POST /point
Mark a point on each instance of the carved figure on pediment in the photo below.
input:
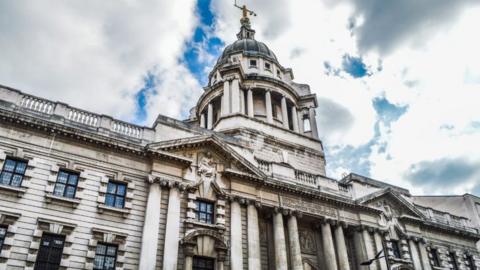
(389, 220)
(307, 241)
(206, 171)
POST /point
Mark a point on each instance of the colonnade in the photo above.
(233, 102)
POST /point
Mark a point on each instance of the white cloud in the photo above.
(93, 54)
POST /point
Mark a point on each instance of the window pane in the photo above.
(59, 188)
(21, 167)
(70, 193)
(109, 200)
(209, 208)
(121, 189)
(3, 232)
(62, 177)
(111, 251)
(98, 263)
(101, 249)
(203, 207)
(119, 202)
(111, 188)
(5, 178)
(16, 180)
(9, 165)
(110, 262)
(72, 179)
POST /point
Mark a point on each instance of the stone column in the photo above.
(295, 252)
(226, 98)
(417, 264)
(280, 245)
(313, 122)
(236, 254)
(369, 251)
(210, 116)
(382, 263)
(172, 230)
(295, 119)
(285, 113)
(188, 262)
(202, 120)
(242, 101)
(235, 96)
(359, 248)
(151, 226)
(254, 262)
(250, 103)
(424, 255)
(341, 248)
(328, 247)
(268, 106)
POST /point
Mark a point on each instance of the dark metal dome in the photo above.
(249, 47)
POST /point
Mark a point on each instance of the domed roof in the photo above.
(249, 47)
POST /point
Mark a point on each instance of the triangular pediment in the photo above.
(396, 203)
(229, 159)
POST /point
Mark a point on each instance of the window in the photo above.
(3, 234)
(202, 263)
(13, 172)
(253, 63)
(470, 262)
(453, 260)
(115, 196)
(66, 184)
(50, 252)
(105, 257)
(278, 74)
(306, 124)
(268, 66)
(396, 249)
(435, 258)
(204, 212)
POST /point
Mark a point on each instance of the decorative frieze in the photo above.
(312, 208)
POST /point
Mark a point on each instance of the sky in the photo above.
(398, 82)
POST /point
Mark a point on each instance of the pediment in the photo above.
(211, 158)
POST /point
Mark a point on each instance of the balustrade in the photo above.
(83, 117)
(306, 178)
(37, 104)
(127, 129)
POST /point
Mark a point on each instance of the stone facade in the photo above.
(241, 184)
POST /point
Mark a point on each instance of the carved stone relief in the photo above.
(307, 241)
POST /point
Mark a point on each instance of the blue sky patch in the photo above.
(354, 66)
(141, 98)
(386, 111)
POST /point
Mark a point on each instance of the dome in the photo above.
(249, 47)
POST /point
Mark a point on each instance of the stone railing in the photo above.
(127, 129)
(67, 115)
(83, 117)
(306, 178)
(265, 166)
(447, 219)
(37, 104)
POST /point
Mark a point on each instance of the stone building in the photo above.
(241, 184)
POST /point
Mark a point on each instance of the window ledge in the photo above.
(102, 207)
(50, 197)
(19, 190)
(205, 225)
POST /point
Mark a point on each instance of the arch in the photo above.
(190, 239)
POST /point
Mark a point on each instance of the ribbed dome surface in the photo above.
(249, 47)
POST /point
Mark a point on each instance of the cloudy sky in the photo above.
(398, 82)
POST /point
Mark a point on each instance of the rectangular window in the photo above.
(253, 63)
(204, 212)
(13, 172)
(435, 258)
(3, 235)
(278, 74)
(105, 257)
(453, 260)
(268, 66)
(306, 124)
(115, 196)
(396, 249)
(66, 185)
(202, 263)
(50, 252)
